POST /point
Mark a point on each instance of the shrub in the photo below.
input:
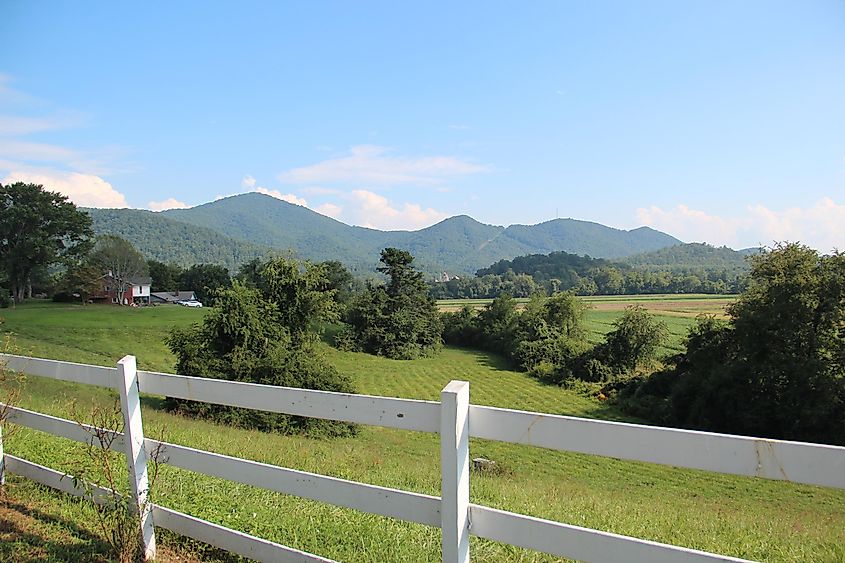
(245, 338)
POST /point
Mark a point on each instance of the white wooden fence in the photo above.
(454, 418)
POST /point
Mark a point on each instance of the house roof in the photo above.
(173, 296)
(141, 281)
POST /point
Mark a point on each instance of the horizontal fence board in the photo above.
(55, 479)
(230, 540)
(405, 414)
(78, 432)
(583, 544)
(813, 464)
(404, 505)
(65, 371)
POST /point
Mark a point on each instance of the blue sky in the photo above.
(715, 121)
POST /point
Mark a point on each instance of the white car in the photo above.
(190, 303)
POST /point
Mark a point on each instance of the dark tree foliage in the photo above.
(256, 338)
(777, 367)
(550, 333)
(341, 281)
(38, 229)
(165, 277)
(204, 280)
(543, 339)
(398, 320)
(634, 340)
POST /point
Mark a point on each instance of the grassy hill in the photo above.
(457, 245)
(751, 518)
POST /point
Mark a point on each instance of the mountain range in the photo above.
(233, 230)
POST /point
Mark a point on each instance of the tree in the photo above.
(204, 280)
(257, 338)
(341, 281)
(398, 320)
(79, 281)
(776, 368)
(634, 340)
(117, 257)
(38, 229)
(164, 277)
(300, 295)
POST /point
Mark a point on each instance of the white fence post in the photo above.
(136, 454)
(454, 465)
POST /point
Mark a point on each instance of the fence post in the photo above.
(136, 454)
(454, 466)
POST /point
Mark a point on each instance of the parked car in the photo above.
(193, 303)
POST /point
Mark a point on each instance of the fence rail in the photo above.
(453, 417)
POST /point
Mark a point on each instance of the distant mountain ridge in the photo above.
(235, 229)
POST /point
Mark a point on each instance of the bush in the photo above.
(245, 339)
(5, 298)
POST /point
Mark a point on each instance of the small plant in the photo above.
(117, 516)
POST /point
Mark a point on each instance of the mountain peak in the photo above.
(458, 244)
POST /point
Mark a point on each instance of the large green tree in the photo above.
(398, 320)
(38, 229)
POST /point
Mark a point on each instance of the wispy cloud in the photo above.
(373, 165)
(248, 182)
(821, 226)
(85, 190)
(13, 125)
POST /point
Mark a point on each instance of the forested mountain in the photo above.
(169, 241)
(693, 255)
(251, 223)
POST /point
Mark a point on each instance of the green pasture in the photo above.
(744, 517)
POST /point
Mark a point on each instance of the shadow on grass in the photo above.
(25, 540)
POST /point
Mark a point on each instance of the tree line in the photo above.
(561, 271)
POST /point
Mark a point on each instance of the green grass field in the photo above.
(751, 518)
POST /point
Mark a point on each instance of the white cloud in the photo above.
(290, 198)
(369, 209)
(329, 210)
(85, 190)
(248, 182)
(821, 226)
(169, 203)
(369, 164)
